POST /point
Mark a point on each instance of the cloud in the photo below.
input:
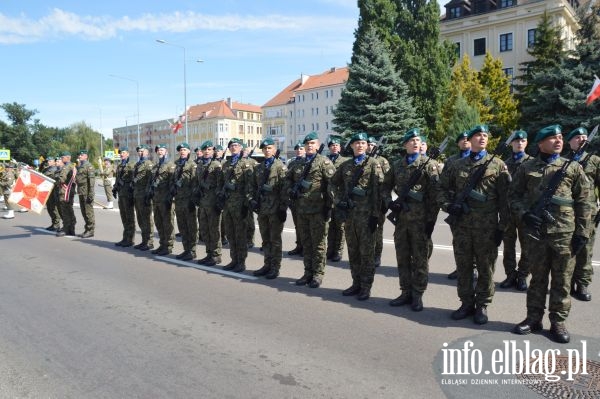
(60, 24)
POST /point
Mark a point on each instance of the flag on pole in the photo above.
(176, 125)
(31, 190)
(595, 92)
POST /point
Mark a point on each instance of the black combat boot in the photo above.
(509, 281)
(463, 312)
(262, 271)
(315, 282)
(404, 299)
(272, 274)
(231, 265)
(296, 251)
(239, 268)
(417, 302)
(559, 333)
(364, 294)
(521, 284)
(305, 279)
(528, 326)
(203, 260)
(582, 293)
(354, 289)
(481, 316)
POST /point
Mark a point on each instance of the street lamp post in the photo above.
(137, 89)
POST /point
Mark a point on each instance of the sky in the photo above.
(57, 57)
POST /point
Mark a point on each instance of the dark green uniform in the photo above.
(142, 175)
(250, 218)
(209, 178)
(162, 204)
(107, 173)
(295, 167)
(66, 180)
(52, 201)
(86, 180)
(335, 235)
(185, 210)
(385, 167)
(124, 190)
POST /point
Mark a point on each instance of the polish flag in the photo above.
(595, 92)
(31, 190)
(178, 125)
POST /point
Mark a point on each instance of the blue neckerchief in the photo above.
(161, 160)
(308, 158)
(577, 157)
(269, 162)
(205, 161)
(476, 156)
(465, 153)
(359, 158)
(234, 159)
(124, 161)
(412, 158)
(333, 157)
(299, 158)
(518, 155)
(142, 159)
(549, 158)
(182, 161)
(66, 163)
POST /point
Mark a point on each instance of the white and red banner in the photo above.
(595, 92)
(31, 190)
(177, 124)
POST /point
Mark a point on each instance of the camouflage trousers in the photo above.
(237, 232)
(582, 275)
(251, 227)
(143, 214)
(209, 227)
(271, 229)
(550, 259)
(87, 211)
(475, 244)
(68, 215)
(126, 210)
(514, 231)
(379, 235)
(295, 219)
(52, 208)
(108, 191)
(412, 257)
(163, 220)
(335, 235)
(361, 249)
(312, 230)
(187, 223)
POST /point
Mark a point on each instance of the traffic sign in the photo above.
(109, 154)
(4, 154)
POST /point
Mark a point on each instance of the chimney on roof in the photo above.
(303, 78)
(229, 103)
(332, 69)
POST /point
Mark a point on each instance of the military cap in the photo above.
(580, 131)
(311, 136)
(206, 144)
(478, 129)
(219, 148)
(160, 146)
(65, 154)
(372, 140)
(82, 152)
(141, 147)
(423, 138)
(414, 132)
(123, 149)
(298, 145)
(548, 131)
(107, 159)
(520, 134)
(266, 142)
(235, 140)
(461, 136)
(358, 137)
(183, 145)
(334, 140)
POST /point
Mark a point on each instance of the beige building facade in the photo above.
(504, 28)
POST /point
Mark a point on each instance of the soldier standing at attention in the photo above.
(295, 166)
(251, 227)
(198, 161)
(208, 179)
(358, 187)
(415, 212)
(7, 180)
(385, 167)
(107, 173)
(515, 278)
(436, 211)
(560, 239)
(477, 232)
(220, 157)
(161, 199)
(123, 191)
(335, 236)
(269, 199)
(313, 199)
(86, 180)
(66, 181)
(582, 275)
(232, 200)
(185, 210)
(52, 202)
(142, 174)
(464, 149)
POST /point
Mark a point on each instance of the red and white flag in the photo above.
(595, 92)
(31, 190)
(178, 125)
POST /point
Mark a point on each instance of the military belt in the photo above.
(416, 195)
(477, 196)
(561, 201)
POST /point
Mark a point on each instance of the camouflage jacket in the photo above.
(160, 179)
(106, 173)
(209, 178)
(513, 164)
(86, 179)
(140, 179)
(65, 177)
(314, 192)
(237, 182)
(7, 179)
(183, 179)
(570, 204)
(358, 186)
(124, 179)
(269, 189)
(592, 171)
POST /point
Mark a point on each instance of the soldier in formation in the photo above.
(51, 171)
(123, 192)
(385, 167)
(185, 211)
(247, 153)
(7, 180)
(295, 166)
(335, 235)
(86, 180)
(67, 184)
(107, 172)
(142, 174)
(159, 195)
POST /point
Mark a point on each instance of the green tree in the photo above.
(375, 99)
(464, 117)
(17, 136)
(380, 15)
(81, 136)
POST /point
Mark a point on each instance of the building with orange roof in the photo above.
(305, 105)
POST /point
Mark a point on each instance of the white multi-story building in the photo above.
(304, 106)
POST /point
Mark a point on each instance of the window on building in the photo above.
(312, 96)
(317, 111)
(531, 37)
(507, 3)
(457, 49)
(455, 12)
(510, 74)
(506, 42)
(479, 46)
(317, 95)
(317, 127)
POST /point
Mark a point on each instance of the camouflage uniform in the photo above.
(124, 190)
(385, 167)
(86, 180)
(52, 201)
(335, 235)
(295, 167)
(66, 181)
(358, 198)
(475, 233)
(107, 173)
(209, 178)
(269, 196)
(313, 208)
(419, 213)
(162, 204)
(250, 218)
(551, 255)
(185, 210)
(142, 174)
(7, 180)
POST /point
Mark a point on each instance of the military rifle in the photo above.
(402, 200)
(296, 189)
(152, 183)
(263, 188)
(475, 177)
(228, 186)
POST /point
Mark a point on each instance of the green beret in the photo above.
(235, 141)
(141, 147)
(414, 132)
(83, 152)
(183, 145)
(299, 145)
(206, 144)
(311, 136)
(580, 131)
(372, 140)
(424, 139)
(461, 136)
(123, 149)
(65, 154)
(334, 140)
(266, 142)
(520, 134)
(160, 146)
(548, 131)
(477, 129)
(219, 148)
(361, 136)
